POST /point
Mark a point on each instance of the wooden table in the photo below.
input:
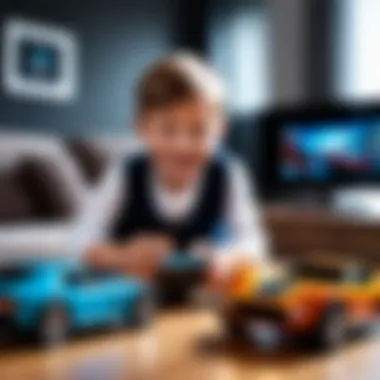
(181, 345)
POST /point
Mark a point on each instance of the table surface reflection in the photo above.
(184, 344)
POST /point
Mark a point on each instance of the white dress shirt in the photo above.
(241, 215)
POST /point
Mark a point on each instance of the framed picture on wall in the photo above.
(40, 61)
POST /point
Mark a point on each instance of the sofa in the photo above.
(44, 181)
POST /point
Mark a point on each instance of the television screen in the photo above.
(323, 151)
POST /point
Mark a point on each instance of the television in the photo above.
(319, 149)
(325, 151)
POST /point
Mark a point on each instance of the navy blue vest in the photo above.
(138, 213)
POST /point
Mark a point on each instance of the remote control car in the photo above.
(52, 297)
(179, 275)
(182, 262)
(314, 302)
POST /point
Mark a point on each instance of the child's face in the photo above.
(182, 137)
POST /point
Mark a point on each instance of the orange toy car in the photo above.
(316, 301)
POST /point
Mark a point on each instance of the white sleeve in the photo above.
(242, 216)
(99, 210)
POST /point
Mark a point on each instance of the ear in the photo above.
(222, 125)
(141, 125)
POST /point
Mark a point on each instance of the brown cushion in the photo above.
(16, 205)
(43, 181)
(91, 159)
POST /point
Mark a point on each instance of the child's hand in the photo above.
(146, 245)
(144, 254)
(139, 256)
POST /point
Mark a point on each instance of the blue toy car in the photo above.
(52, 297)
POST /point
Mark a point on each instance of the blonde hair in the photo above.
(176, 78)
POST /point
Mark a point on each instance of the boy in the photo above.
(180, 187)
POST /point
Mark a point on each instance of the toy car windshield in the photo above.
(274, 287)
(181, 262)
(14, 273)
(84, 275)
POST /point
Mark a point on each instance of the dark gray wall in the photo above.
(288, 31)
(117, 38)
(303, 49)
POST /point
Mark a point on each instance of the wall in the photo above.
(303, 49)
(118, 38)
(288, 30)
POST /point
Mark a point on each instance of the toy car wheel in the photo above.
(143, 312)
(233, 329)
(53, 327)
(332, 329)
